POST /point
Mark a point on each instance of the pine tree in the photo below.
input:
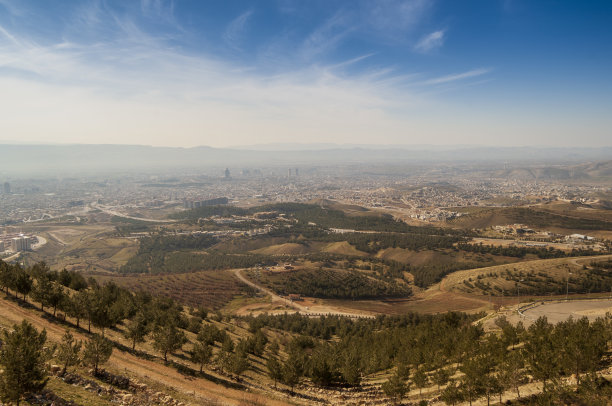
(7, 276)
(582, 345)
(420, 380)
(511, 371)
(292, 372)
(208, 334)
(451, 394)
(441, 377)
(275, 369)
(201, 354)
(42, 290)
(168, 339)
(23, 283)
(22, 357)
(68, 351)
(542, 353)
(136, 330)
(56, 296)
(76, 306)
(97, 351)
(395, 388)
(238, 362)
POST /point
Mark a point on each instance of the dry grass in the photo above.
(343, 248)
(285, 249)
(556, 268)
(211, 289)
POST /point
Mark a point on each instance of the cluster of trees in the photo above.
(338, 351)
(601, 265)
(155, 253)
(546, 219)
(447, 350)
(520, 252)
(143, 316)
(336, 284)
(165, 243)
(209, 211)
(427, 275)
(541, 283)
(374, 242)
(444, 351)
(181, 262)
(544, 351)
(102, 306)
(25, 352)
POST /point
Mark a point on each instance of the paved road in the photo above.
(306, 311)
(12, 257)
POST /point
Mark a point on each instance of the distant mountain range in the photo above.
(85, 159)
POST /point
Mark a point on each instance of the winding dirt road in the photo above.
(306, 311)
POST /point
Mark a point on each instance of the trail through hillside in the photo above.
(317, 310)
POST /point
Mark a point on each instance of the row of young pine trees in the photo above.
(501, 364)
(446, 351)
(25, 352)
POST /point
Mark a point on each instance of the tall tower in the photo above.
(6, 188)
(227, 173)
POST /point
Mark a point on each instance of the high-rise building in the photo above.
(6, 188)
(21, 243)
(227, 173)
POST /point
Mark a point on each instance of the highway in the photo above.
(119, 214)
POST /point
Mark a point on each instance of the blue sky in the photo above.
(222, 73)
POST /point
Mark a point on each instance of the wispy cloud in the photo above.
(327, 36)
(9, 36)
(430, 41)
(120, 90)
(456, 77)
(352, 61)
(235, 30)
(130, 86)
(394, 18)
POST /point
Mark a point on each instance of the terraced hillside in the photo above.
(537, 277)
(208, 289)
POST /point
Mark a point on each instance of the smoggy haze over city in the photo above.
(189, 73)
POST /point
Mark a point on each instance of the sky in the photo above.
(225, 73)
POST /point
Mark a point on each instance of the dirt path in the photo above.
(274, 296)
(316, 310)
(56, 238)
(12, 313)
(588, 259)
